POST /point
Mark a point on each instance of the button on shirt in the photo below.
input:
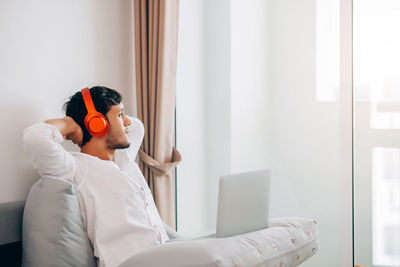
(116, 204)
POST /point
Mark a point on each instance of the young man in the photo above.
(116, 204)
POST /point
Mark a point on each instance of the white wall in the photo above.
(190, 119)
(203, 110)
(277, 121)
(48, 51)
(274, 118)
(304, 133)
(249, 85)
(217, 99)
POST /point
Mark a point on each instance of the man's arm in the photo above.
(68, 128)
(136, 134)
(42, 142)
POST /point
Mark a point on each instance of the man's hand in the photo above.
(69, 129)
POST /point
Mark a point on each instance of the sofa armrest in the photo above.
(172, 234)
(209, 234)
(287, 242)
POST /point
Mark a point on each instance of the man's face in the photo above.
(117, 136)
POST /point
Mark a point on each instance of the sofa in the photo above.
(47, 230)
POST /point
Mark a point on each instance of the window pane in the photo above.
(376, 136)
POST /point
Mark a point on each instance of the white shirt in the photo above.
(116, 204)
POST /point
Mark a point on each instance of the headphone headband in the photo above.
(87, 98)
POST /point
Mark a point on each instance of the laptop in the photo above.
(243, 204)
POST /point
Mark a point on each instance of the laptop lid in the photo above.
(243, 203)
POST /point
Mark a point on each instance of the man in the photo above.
(116, 204)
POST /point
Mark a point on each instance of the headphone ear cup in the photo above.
(96, 124)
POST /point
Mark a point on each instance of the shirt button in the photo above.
(142, 188)
(147, 204)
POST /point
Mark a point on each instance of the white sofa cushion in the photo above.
(53, 233)
(286, 242)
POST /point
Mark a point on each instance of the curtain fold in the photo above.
(156, 40)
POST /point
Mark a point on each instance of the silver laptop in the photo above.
(243, 203)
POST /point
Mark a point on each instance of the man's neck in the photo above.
(98, 149)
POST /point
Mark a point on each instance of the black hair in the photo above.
(103, 98)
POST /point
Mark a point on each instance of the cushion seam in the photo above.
(280, 254)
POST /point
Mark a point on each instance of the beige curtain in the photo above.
(156, 34)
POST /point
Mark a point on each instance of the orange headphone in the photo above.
(95, 122)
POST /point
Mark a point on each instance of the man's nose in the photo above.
(127, 121)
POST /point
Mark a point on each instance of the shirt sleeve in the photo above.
(135, 134)
(42, 143)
